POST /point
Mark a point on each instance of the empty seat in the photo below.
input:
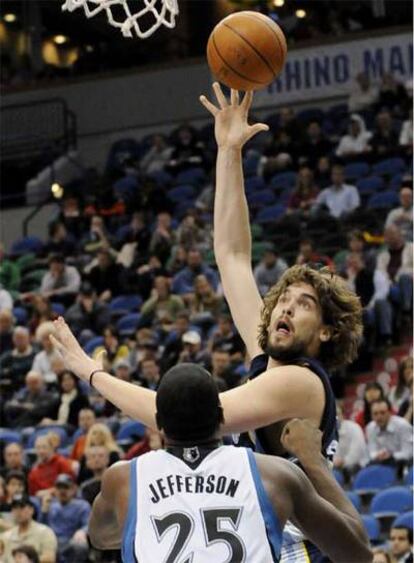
(92, 344)
(355, 499)
(370, 184)
(373, 478)
(383, 200)
(389, 166)
(60, 430)
(372, 527)
(405, 519)
(270, 214)
(356, 170)
(127, 325)
(391, 502)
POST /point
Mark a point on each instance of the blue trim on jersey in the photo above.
(273, 528)
(130, 526)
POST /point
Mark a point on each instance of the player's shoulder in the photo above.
(300, 374)
(117, 472)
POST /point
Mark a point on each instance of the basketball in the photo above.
(246, 51)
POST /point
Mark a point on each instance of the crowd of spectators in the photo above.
(134, 275)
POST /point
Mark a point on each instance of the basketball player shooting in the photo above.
(199, 499)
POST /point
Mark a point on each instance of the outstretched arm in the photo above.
(232, 237)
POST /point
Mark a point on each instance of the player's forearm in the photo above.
(132, 400)
(231, 214)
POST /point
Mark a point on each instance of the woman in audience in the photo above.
(71, 401)
(402, 391)
(305, 192)
(41, 311)
(204, 300)
(373, 392)
(99, 435)
(114, 350)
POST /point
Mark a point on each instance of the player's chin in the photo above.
(279, 339)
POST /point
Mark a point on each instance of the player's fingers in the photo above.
(258, 127)
(234, 97)
(221, 98)
(208, 105)
(100, 357)
(56, 343)
(247, 101)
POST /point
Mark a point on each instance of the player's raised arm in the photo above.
(232, 237)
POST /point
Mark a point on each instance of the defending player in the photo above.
(201, 501)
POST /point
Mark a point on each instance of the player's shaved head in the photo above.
(188, 405)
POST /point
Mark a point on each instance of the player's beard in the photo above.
(285, 354)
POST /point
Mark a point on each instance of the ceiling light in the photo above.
(60, 39)
(300, 14)
(10, 18)
(278, 3)
(57, 190)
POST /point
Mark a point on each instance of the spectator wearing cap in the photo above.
(30, 404)
(352, 452)
(61, 282)
(269, 270)
(355, 142)
(401, 544)
(106, 277)
(28, 532)
(97, 460)
(304, 194)
(25, 554)
(68, 517)
(183, 282)
(48, 466)
(87, 314)
(389, 437)
(6, 331)
(402, 217)
(42, 362)
(86, 419)
(308, 255)
(162, 302)
(339, 198)
(15, 364)
(13, 459)
(192, 349)
(363, 94)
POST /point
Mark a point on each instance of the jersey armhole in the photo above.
(128, 540)
(271, 520)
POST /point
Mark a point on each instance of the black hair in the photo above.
(367, 406)
(382, 400)
(29, 551)
(59, 258)
(72, 375)
(188, 405)
(14, 474)
(408, 530)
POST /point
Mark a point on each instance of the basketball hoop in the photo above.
(163, 12)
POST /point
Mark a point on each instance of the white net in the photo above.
(151, 15)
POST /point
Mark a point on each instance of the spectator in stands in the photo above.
(41, 311)
(68, 517)
(356, 245)
(106, 277)
(396, 261)
(352, 452)
(316, 145)
(308, 255)
(71, 216)
(6, 300)
(372, 287)
(71, 401)
(30, 404)
(157, 156)
(97, 460)
(406, 135)
(382, 556)
(363, 95)
(280, 154)
(13, 459)
(340, 199)
(373, 392)
(42, 362)
(355, 142)
(14, 484)
(16, 363)
(86, 419)
(191, 233)
(304, 194)
(6, 331)
(48, 465)
(140, 279)
(389, 437)
(152, 440)
(269, 269)
(192, 349)
(163, 237)
(401, 544)
(87, 314)
(97, 237)
(392, 94)
(162, 301)
(61, 282)
(183, 282)
(403, 390)
(187, 152)
(323, 172)
(178, 260)
(28, 532)
(290, 123)
(149, 373)
(384, 142)
(99, 435)
(173, 343)
(113, 348)
(136, 232)
(224, 335)
(205, 301)
(25, 554)
(60, 241)
(9, 272)
(402, 217)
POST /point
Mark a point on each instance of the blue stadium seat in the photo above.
(269, 214)
(389, 166)
(396, 181)
(93, 343)
(372, 527)
(339, 476)
(370, 184)
(26, 245)
(356, 170)
(408, 479)
(310, 114)
(126, 303)
(181, 193)
(250, 164)
(254, 184)
(265, 197)
(405, 519)
(355, 499)
(191, 176)
(130, 431)
(383, 200)
(127, 325)
(8, 436)
(283, 180)
(120, 151)
(58, 308)
(373, 478)
(21, 315)
(391, 502)
(60, 430)
(161, 178)
(126, 188)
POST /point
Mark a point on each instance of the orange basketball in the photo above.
(246, 51)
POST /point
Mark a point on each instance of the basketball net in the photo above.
(163, 11)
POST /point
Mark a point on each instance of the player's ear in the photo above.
(325, 334)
